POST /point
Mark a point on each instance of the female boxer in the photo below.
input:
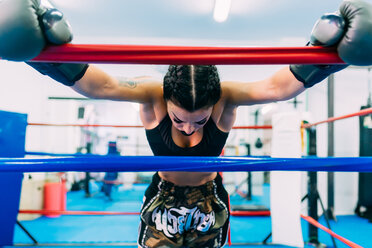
(190, 113)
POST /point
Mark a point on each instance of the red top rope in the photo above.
(142, 54)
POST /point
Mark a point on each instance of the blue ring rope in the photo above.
(160, 163)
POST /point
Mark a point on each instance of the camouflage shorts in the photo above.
(175, 217)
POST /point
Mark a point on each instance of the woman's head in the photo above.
(190, 92)
(192, 87)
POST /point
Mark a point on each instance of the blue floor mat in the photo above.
(124, 229)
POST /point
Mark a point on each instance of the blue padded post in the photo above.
(12, 144)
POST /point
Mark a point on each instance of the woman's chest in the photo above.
(184, 141)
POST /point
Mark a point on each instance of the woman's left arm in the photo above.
(280, 86)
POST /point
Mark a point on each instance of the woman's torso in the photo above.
(160, 132)
(210, 142)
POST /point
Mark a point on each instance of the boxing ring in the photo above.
(123, 54)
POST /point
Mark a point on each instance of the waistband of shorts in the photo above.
(166, 185)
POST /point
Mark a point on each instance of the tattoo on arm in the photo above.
(128, 83)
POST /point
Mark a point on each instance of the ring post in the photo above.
(285, 186)
(12, 144)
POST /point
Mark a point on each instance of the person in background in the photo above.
(110, 178)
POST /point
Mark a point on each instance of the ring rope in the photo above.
(163, 163)
(233, 213)
(366, 111)
(363, 112)
(127, 126)
(333, 234)
(145, 54)
(62, 154)
(84, 213)
(83, 125)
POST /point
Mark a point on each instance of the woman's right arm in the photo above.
(99, 85)
(26, 19)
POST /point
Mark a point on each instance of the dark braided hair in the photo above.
(192, 87)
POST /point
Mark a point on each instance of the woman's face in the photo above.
(188, 122)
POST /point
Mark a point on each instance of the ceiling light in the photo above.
(221, 10)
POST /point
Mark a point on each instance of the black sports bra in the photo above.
(162, 144)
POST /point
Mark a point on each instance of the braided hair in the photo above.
(192, 87)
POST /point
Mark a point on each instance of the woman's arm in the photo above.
(281, 86)
(97, 84)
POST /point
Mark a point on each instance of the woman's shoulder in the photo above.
(223, 113)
